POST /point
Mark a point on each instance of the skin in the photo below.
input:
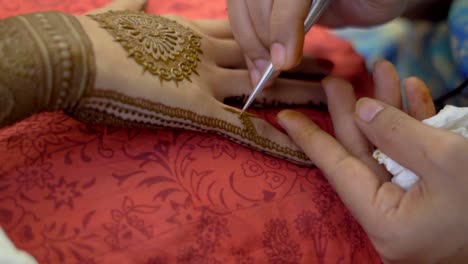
(222, 74)
(222, 71)
(403, 226)
(274, 29)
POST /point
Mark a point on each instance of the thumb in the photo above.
(287, 32)
(408, 141)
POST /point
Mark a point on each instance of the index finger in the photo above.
(287, 30)
(353, 181)
(244, 31)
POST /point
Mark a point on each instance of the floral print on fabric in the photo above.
(76, 193)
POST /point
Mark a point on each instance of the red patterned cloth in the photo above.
(74, 193)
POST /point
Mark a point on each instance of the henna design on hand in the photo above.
(111, 108)
(163, 47)
(47, 64)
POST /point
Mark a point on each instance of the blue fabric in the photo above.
(435, 52)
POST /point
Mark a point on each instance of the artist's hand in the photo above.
(427, 223)
(188, 89)
(276, 27)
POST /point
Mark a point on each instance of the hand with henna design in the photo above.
(273, 30)
(133, 69)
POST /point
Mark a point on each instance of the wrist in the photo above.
(47, 64)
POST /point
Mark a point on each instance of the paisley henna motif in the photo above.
(162, 46)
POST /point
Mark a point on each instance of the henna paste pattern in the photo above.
(112, 108)
(162, 46)
(63, 69)
(47, 63)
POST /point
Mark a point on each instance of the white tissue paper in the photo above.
(451, 118)
(10, 255)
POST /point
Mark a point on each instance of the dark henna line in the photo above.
(264, 104)
(97, 105)
(161, 46)
(47, 64)
(238, 112)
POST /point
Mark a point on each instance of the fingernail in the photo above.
(278, 55)
(293, 121)
(281, 118)
(261, 65)
(367, 109)
(254, 76)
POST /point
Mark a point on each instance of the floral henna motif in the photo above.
(162, 46)
(170, 51)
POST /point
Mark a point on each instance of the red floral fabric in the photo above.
(76, 193)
